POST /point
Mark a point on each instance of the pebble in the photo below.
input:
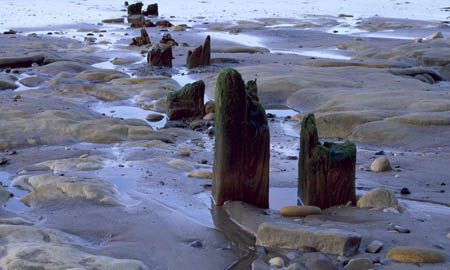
(292, 255)
(184, 153)
(401, 229)
(299, 211)
(448, 235)
(196, 244)
(409, 254)
(293, 266)
(277, 262)
(359, 264)
(343, 259)
(381, 164)
(17, 97)
(405, 191)
(374, 247)
(391, 210)
(201, 175)
(153, 117)
(386, 261)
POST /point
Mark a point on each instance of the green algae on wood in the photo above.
(326, 173)
(187, 102)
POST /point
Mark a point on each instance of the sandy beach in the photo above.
(95, 175)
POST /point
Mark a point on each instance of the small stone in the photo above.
(448, 235)
(378, 198)
(66, 148)
(183, 153)
(379, 153)
(359, 264)
(391, 210)
(292, 255)
(374, 247)
(380, 164)
(409, 254)
(386, 261)
(299, 211)
(201, 175)
(17, 97)
(436, 35)
(294, 266)
(401, 229)
(196, 244)
(292, 157)
(277, 262)
(84, 156)
(343, 259)
(4, 161)
(405, 191)
(396, 176)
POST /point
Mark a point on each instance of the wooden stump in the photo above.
(187, 102)
(135, 9)
(160, 55)
(242, 142)
(201, 56)
(144, 39)
(326, 172)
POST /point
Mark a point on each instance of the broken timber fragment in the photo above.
(160, 55)
(201, 56)
(187, 102)
(144, 39)
(135, 9)
(326, 173)
(242, 141)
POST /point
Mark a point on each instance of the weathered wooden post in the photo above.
(326, 173)
(242, 144)
(187, 102)
(201, 56)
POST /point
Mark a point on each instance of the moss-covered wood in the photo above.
(326, 172)
(201, 56)
(242, 144)
(187, 102)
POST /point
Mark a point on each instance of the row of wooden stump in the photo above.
(326, 172)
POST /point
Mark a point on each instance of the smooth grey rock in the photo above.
(4, 195)
(292, 255)
(317, 261)
(277, 262)
(22, 61)
(386, 261)
(293, 266)
(32, 81)
(381, 164)
(7, 84)
(359, 264)
(401, 229)
(374, 247)
(435, 36)
(259, 264)
(294, 236)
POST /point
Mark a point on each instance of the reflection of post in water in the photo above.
(242, 143)
(240, 240)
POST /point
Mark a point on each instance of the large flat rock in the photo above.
(293, 236)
